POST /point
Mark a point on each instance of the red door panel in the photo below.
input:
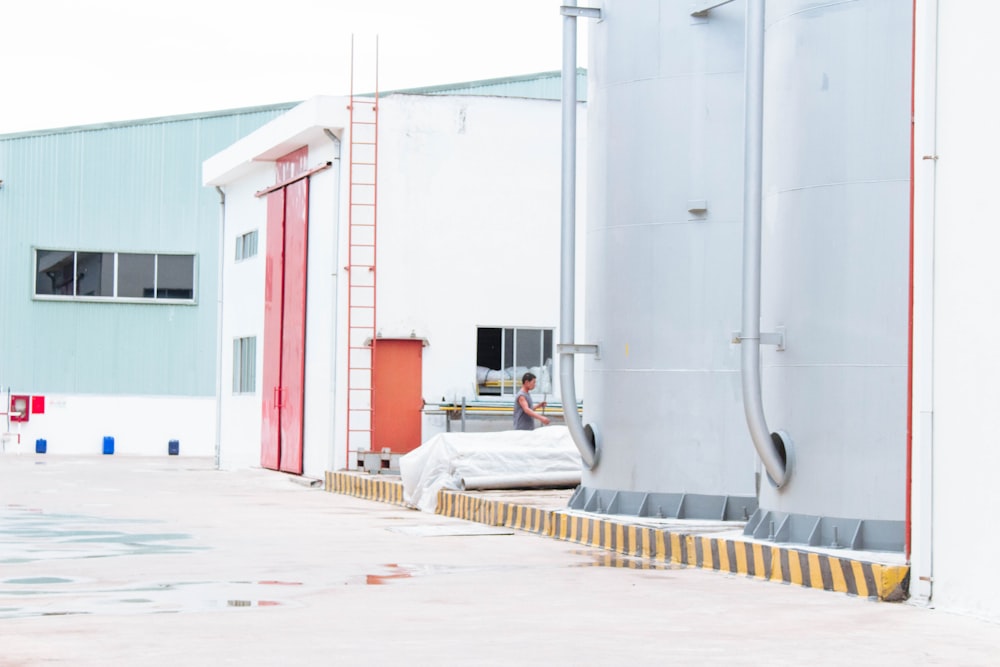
(283, 371)
(396, 397)
(273, 299)
(293, 333)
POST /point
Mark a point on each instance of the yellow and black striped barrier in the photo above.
(762, 561)
(367, 487)
(753, 559)
(494, 512)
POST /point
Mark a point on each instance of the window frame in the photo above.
(244, 365)
(114, 297)
(246, 246)
(509, 387)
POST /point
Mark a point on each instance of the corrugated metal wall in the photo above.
(132, 187)
(122, 187)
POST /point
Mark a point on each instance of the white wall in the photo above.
(469, 219)
(243, 315)
(140, 425)
(957, 365)
(469, 234)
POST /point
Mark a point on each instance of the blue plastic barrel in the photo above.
(109, 444)
(41, 444)
(174, 447)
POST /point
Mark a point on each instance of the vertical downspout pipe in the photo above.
(584, 438)
(774, 449)
(338, 147)
(218, 327)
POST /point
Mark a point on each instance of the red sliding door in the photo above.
(285, 318)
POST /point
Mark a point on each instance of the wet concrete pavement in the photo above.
(166, 561)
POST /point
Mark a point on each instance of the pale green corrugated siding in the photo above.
(117, 187)
(542, 86)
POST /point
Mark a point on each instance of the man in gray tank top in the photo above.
(524, 411)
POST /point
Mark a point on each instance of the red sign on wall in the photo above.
(38, 405)
(18, 408)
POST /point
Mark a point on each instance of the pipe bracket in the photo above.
(581, 12)
(575, 348)
(701, 9)
(776, 338)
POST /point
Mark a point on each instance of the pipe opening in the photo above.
(783, 451)
(779, 447)
(591, 434)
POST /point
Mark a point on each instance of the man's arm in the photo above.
(529, 411)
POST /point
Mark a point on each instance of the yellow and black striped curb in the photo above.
(495, 512)
(763, 561)
(369, 488)
(876, 581)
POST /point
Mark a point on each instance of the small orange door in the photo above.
(396, 397)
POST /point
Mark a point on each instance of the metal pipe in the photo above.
(539, 480)
(218, 327)
(338, 146)
(919, 548)
(585, 439)
(774, 449)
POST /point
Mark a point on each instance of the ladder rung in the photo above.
(369, 164)
(363, 122)
(363, 143)
(361, 183)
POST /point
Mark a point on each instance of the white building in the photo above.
(466, 258)
(956, 365)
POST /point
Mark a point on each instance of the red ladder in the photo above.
(361, 301)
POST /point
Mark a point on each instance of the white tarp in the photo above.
(505, 459)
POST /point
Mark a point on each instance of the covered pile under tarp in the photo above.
(543, 458)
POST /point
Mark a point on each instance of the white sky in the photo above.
(73, 62)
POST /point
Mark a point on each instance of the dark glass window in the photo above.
(503, 355)
(70, 274)
(175, 277)
(54, 272)
(136, 275)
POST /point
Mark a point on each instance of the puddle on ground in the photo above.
(395, 572)
(449, 530)
(38, 580)
(29, 535)
(159, 598)
(611, 559)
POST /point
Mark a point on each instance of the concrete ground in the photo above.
(166, 561)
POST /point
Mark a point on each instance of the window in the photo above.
(120, 276)
(505, 354)
(246, 245)
(245, 365)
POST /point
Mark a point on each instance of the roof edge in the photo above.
(462, 85)
(93, 127)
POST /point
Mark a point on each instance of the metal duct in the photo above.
(584, 437)
(774, 449)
